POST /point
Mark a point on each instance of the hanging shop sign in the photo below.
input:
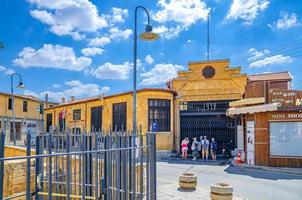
(285, 97)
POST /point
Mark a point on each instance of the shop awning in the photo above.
(253, 109)
(247, 101)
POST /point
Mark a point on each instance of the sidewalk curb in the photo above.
(293, 171)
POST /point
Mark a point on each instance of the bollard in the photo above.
(188, 181)
(221, 191)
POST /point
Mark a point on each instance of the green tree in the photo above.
(1, 45)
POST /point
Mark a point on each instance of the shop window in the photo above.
(119, 116)
(10, 103)
(77, 114)
(285, 138)
(25, 106)
(159, 114)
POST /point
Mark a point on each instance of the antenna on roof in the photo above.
(208, 37)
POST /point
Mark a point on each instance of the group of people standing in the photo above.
(200, 147)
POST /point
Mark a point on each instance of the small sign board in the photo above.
(285, 97)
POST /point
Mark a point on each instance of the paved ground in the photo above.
(251, 184)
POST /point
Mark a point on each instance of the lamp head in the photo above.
(148, 35)
(21, 85)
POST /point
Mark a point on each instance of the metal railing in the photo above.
(94, 165)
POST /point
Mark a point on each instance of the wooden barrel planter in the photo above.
(188, 181)
(221, 191)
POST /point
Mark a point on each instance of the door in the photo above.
(96, 118)
(48, 121)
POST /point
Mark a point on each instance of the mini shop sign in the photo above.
(287, 116)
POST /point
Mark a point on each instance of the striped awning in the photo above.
(253, 109)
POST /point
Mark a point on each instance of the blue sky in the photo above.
(84, 48)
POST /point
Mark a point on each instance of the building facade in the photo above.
(28, 116)
(193, 105)
(203, 96)
(271, 121)
(114, 113)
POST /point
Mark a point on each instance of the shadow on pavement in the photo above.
(218, 162)
(261, 174)
(185, 190)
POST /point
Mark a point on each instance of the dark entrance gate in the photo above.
(207, 119)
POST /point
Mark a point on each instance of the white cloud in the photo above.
(75, 88)
(111, 71)
(52, 56)
(168, 32)
(92, 51)
(118, 15)
(246, 10)
(56, 85)
(182, 12)
(66, 17)
(149, 59)
(117, 34)
(286, 21)
(176, 16)
(160, 74)
(99, 41)
(6, 71)
(271, 60)
(257, 54)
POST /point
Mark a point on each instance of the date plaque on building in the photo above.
(208, 72)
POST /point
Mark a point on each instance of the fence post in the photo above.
(2, 143)
(38, 175)
(68, 168)
(28, 165)
(50, 167)
(153, 166)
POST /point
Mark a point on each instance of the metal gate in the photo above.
(95, 165)
(207, 119)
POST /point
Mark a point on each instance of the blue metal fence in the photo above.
(96, 165)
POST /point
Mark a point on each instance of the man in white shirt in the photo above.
(205, 148)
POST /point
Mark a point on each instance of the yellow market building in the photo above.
(194, 104)
(28, 116)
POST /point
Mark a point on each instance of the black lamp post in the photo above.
(148, 35)
(20, 85)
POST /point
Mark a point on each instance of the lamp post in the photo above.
(148, 35)
(20, 85)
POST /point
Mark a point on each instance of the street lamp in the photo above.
(21, 86)
(148, 35)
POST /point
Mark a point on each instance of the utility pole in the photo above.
(208, 37)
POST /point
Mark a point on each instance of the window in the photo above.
(18, 131)
(77, 114)
(159, 114)
(25, 109)
(285, 138)
(10, 103)
(119, 116)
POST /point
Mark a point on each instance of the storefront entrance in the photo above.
(207, 119)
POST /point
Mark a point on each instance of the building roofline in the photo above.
(23, 97)
(208, 61)
(264, 74)
(89, 99)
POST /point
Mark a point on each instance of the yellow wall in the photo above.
(32, 112)
(227, 84)
(106, 103)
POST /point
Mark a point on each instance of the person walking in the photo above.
(205, 148)
(194, 148)
(213, 148)
(184, 148)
